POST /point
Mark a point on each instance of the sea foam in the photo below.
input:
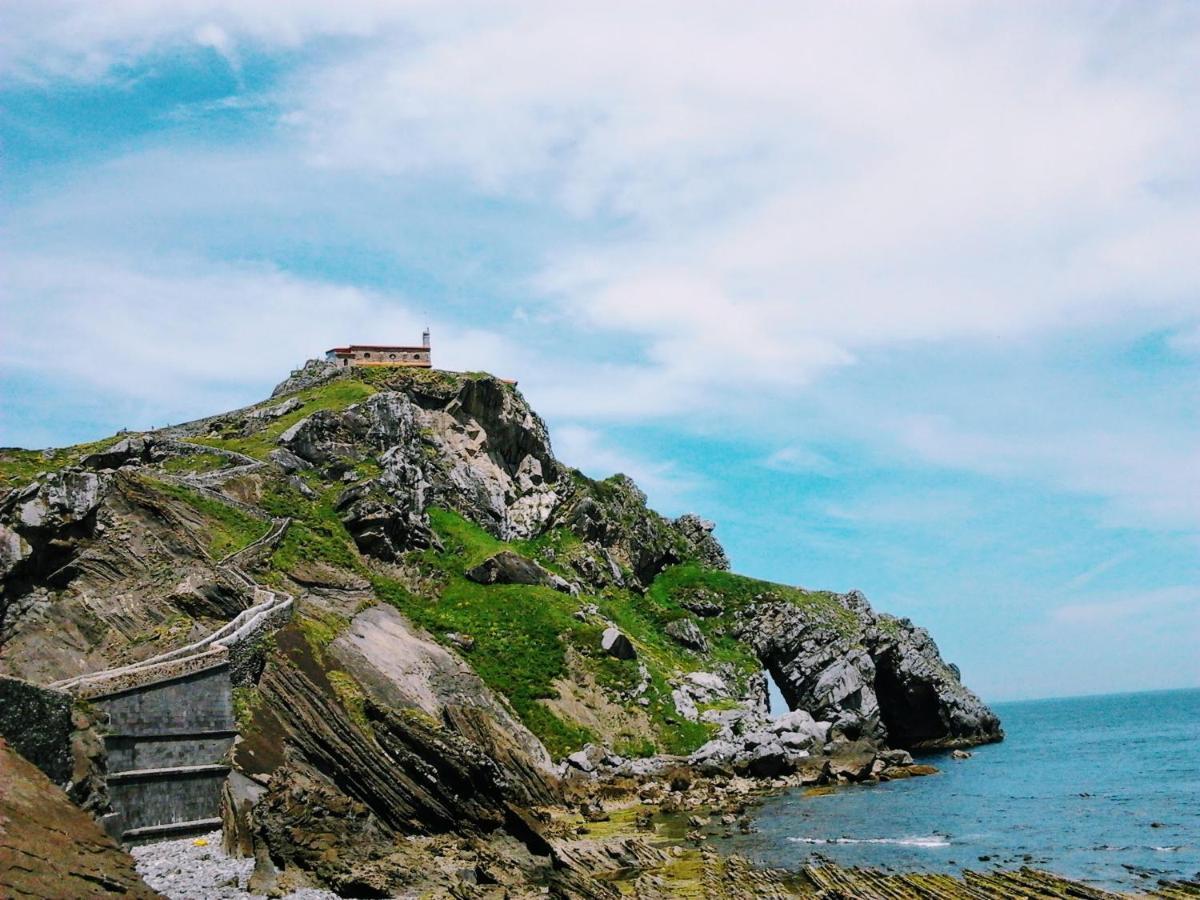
(931, 842)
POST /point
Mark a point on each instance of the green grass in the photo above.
(194, 464)
(227, 529)
(518, 630)
(316, 533)
(245, 701)
(338, 394)
(321, 629)
(522, 634)
(18, 467)
(738, 591)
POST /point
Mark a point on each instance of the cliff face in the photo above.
(51, 848)
(468, 611)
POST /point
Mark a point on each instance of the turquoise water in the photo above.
(1104, 789)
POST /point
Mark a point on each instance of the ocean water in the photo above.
(1102, 789)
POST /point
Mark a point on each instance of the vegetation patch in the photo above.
(351, 696)
(337, 394)
(194, 464)
(228, 529)
(18, 467)
(245, 701)
(316, 533)
(321, 628)
(737, 591)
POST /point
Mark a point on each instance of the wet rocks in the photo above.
(773, 750)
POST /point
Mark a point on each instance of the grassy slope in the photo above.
(521, 634)
(19, 467)
(226, 528)
(336, 394)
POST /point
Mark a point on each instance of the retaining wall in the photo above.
(167, 748)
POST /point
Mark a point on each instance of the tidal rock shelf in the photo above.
(832, 881)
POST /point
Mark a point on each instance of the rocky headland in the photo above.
(472, 671)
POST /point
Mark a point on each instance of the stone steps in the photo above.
(172, 717)
(174, 830)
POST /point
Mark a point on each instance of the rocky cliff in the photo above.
(476, 624)
(51, 848)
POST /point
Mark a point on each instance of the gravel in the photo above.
(198, 869)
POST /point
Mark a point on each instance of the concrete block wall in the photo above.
(167, 747)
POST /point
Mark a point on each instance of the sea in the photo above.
(1103, 789)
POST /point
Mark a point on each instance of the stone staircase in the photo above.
(171, 717)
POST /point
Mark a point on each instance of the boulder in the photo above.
(588, 759)
(707, 685)
(702, 604)
(135, 449)
(60, 500)
(684, 704)
(687, 633)
(852, 761)
(799, 729)
(277, 411)
(616, 644)
(766, 761)
(287, 460)
(507, 567)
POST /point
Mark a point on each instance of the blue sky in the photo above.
(907, 302)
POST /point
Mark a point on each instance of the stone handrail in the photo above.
(273, 536)
(241, 458)
(213, 493)
(209, 651)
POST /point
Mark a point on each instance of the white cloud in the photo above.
(780, 195)
(590, 452)
(181, 327)
(799, 459)
(1114, 614)
(1147, 475)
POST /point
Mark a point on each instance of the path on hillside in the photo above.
(171, 717)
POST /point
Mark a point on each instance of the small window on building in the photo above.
(367, 355)
(391, 356)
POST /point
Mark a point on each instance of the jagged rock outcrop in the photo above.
(382, 733)
(922, 701)
(50, 848)
(870, 675)
(312, 373)
(698, 533)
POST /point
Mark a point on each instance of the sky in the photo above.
(904, 296)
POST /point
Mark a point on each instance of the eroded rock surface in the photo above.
(870, 675)
(50, 848)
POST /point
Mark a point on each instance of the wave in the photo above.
(930, 842)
